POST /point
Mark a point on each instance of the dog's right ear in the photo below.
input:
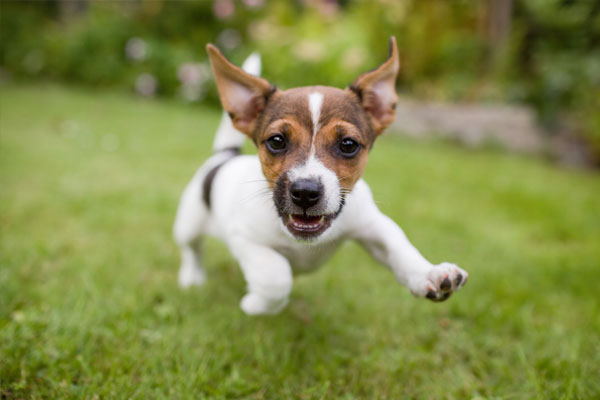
(377, 90)
(243, 96)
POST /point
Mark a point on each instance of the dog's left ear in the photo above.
(377, 90)
(243, 96)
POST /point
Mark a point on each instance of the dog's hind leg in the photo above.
(191, 272)
(188, 231)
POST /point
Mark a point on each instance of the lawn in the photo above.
(90, 308)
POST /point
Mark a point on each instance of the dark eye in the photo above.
(349, 147)
(276, 144)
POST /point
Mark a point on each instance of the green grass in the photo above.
(90, 308)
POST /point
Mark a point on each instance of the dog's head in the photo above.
(313, 142)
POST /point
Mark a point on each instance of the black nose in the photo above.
(305, 193)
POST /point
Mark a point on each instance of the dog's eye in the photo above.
(349, 147)
(276, 144)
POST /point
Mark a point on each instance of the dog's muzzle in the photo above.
(302, 206)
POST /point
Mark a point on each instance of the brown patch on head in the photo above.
(348, 169)
(287, 114)
(290, 103)
(327, 143)
(342, 105)
(340, 116)
(298, 146)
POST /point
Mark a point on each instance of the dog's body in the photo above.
(286, 210)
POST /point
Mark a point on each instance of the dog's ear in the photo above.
(242, 95)
(377, 90)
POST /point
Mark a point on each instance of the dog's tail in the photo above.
(227, 137)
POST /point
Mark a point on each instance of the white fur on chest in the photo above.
(243, 205)
(306, 257)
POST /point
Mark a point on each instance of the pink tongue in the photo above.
(309, 219)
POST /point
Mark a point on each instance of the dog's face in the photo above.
(313, 142)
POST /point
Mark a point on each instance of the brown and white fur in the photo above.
(286, 210)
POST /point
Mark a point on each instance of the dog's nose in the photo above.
(305, 193)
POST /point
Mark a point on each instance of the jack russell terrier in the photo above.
(313, 143)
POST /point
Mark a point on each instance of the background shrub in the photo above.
(546, 54)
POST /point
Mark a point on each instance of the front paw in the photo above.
(441, 281)
(255, 304)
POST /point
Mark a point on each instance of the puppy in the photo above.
(286, 210)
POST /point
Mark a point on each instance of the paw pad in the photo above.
(443, 280)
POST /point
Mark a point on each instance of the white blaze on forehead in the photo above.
(315, 101)
(313, 168)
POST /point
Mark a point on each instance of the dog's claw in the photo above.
(458, 280)
(446, 284)
(438, 298)
(441, 281)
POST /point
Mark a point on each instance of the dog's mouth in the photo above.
(307, 226)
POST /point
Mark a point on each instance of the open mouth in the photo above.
(307, 226)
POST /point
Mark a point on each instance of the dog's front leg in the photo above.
(389, 245)
(268, 275)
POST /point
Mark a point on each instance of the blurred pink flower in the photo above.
(254, 3)
(136, 49)
(192, 92)
(193, 73)
(223, 9)
(327, 8)
(229, 39)
(146, 85)
(193, 76)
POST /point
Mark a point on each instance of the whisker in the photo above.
(260, 180)
(255, 197)
(263, 192)
(351, 175)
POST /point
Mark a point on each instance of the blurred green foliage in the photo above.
(549, 57)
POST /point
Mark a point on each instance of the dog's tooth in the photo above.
(322, 219)
(290, 218)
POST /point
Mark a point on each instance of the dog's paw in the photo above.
(441, 281)
(255, 304)
(190, 275)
